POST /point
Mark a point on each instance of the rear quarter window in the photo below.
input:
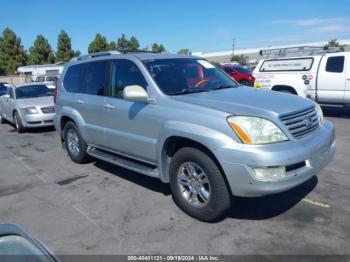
(72, 78)
(335, 64)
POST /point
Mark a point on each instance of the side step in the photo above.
(128, 163)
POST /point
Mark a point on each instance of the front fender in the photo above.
(210, 138)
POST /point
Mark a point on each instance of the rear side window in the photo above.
(94, 78)
(125, 73)
(72, 78)
(335, 64)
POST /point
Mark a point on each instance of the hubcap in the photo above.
(193, 184)
(73, 142)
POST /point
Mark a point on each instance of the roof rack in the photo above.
(108, 53)
(94, 55)
(299, 51)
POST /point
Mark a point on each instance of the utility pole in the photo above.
(233, 46)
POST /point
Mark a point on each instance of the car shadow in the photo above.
(151, 183)
(34, 130)
(257, 208)
(336, 111)
(260, 208)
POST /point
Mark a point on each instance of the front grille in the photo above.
(48, 110)
(302, 123)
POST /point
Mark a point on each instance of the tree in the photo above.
(77, 53)
(133, 44)
(64, 48)
(122, 43)
(99, 44)
(112, 46)
(241, 59)
(333, 43)
(41, 52)
(12, 53)
(158, 48)
(184, 51)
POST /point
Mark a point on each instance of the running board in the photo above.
(122, 161)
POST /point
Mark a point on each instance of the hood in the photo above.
(247, 101)
(44, 101)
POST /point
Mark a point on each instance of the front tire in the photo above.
(18, 122)
(2, 119)
(75, 144)
(198, 186)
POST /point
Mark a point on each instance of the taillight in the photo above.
(55, 92)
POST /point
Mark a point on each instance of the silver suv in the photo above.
(183, 120)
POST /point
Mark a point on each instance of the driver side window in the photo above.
(125, 73)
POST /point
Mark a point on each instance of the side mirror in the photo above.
(135, 93)
(6, 97)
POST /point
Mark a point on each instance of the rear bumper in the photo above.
(316, 151)
(38, 120)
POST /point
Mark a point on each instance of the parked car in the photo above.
(48, 80)
(210, 138)
(323, 77)
(27, 106)
(3, 88)
(241, 74)
(17, 245)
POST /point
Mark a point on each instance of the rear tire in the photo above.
(18, 122)
(207, 201)
(245, 83)
(75, 144)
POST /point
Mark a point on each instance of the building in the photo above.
(35, 70)
(253, 53)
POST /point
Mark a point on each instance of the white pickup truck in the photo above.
(324, 77)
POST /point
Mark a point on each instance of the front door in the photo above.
(132, 128)
(332, 79)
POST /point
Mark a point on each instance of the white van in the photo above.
(323, 77)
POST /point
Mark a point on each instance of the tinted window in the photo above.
(125, 73)
(179, 76)
(3, 88)
(228, 70)
(94, 78)
(71, 80)
(32, 91)
(335, 64)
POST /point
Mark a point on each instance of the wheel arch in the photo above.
(285, 87)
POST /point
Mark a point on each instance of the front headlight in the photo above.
(256, 130)
(319, 113)
(30, 111)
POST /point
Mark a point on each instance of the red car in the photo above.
(240, 74)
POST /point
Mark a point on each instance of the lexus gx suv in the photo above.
(181, 119)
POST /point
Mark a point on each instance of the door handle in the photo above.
(348, 79)
(79, 102)
(109, 107)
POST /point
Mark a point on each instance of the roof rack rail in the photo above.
(299, 51)
(93, 55)
(137, 51)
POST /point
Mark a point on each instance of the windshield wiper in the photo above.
(187, 91)
(223, 87)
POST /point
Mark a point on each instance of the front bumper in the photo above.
(316, 151)
(38, 120)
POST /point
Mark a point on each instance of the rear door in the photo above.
(332, 78)
(90, 102)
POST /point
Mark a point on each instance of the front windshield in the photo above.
(187, 75)
(33, 91)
